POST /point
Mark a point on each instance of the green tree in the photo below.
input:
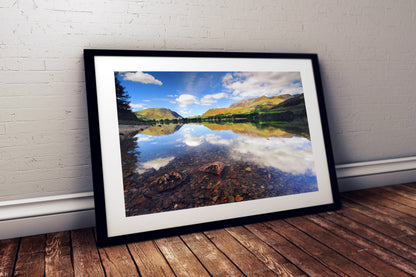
(123, 101)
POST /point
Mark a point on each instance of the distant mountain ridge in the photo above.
(261, 100)
(280, 107)
(157, 114)
(250, 105)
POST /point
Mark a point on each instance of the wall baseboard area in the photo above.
(41, 215)
(25, 217)
(363, 175)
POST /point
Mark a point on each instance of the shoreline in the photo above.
(125, 129)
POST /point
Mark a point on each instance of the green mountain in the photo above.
(157, 114)
(295, 105)
(262, 100)
(251, 105)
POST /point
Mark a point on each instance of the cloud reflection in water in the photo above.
(293, 155)
(156, 164)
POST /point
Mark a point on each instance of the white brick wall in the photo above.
(366, 48)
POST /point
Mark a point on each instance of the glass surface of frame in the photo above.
(186, 141)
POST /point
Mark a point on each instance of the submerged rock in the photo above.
(215, 168)
(167, 181)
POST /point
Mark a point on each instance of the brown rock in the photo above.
(167, 181)
(215, 168)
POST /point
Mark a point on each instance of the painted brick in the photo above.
(366, 49)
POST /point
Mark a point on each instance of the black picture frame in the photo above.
(113, 223)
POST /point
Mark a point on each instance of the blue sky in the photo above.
(193, 93)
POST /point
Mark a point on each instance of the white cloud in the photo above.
(156, 164)
(141, 137)
(136, 106)
(195, 82)
(255, 84)
(141, 78)
(293, 155)
(183, 111)
(192, 141)
(217, 140)
(228, 77)
(213, 98)
(186, 99)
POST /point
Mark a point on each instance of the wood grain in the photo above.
(31, 257)
(8, 251)
(338, 263)
(149, 259)
(383, 201)
(366, 245)
(117, 261)
(85, 254)
(58, 255)
(402, 190)
(270, 257)
(407, 228)
(394, 196)
(373, 234)
(246, 261)
(295, 255)
(345, 248)
(213, 260)
(392, 245)
(181, 259)
(380, 226)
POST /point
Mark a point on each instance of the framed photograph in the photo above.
(189, 141)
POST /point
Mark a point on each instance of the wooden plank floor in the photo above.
(372, 235)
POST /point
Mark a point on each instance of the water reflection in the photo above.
(169, 167)
(192, 140)
(154, 164)
(293, 155)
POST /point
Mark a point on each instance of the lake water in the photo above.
(169, 167)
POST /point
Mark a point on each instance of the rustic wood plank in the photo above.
(392, 245)
(117, 261)
(304, 261)
(400, 224)
(407, 187)
(380, 200)
(324, 254)
(369, 202)
(345, 248)
(8, 253)
(86, 258)
(375, 232)
(365, 245)
(394, 196)
(149, 260)
(31, 257)
(58, 255)
(270, 257)
(181, 259)
(213, 260)
(238, 254)
(402, 190)
(413, 185)
(382, 227)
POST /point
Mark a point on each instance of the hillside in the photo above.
(250, 105)
(296, 105)
(161, 130)
(157, 114)
(262, 100)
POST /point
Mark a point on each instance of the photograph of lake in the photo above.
(196, 139)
